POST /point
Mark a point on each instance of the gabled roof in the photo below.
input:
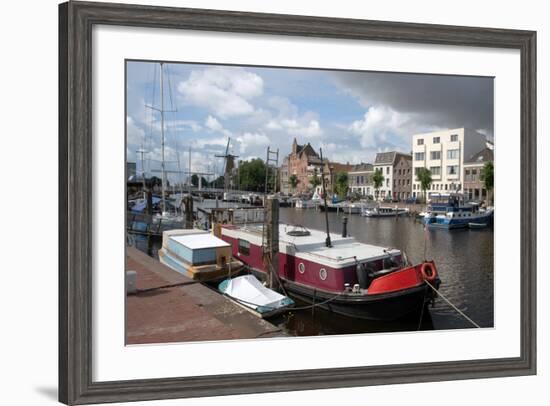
(389, 158)
(384, 158)
(485, 155)
(307, 150)
(362, 167)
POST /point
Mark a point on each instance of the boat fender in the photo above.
(428, 272)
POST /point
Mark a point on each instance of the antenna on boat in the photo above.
(328, 243)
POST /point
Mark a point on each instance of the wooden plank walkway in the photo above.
(186, 313)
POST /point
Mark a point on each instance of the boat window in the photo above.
(323, 274)
(244, 247)
(301, 267)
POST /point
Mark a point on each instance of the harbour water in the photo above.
(464, 260)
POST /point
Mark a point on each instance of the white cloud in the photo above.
(134, 134)
(384, 128)
(252, 142)
(224, 91)
(214, 125)
(289, 120)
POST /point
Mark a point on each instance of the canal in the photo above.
(464, 259)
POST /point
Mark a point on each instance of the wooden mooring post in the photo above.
(271, 240)
(188, 211)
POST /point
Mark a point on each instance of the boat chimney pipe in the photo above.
(345, 227)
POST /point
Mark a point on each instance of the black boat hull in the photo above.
(386, 307)
(380, 307)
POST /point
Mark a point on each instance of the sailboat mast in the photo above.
(190, 175)
(162, 137)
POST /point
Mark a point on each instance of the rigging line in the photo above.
(170, 89)
(317, 304)
(452, 305)
(149, 142)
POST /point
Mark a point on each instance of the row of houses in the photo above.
(455, 159)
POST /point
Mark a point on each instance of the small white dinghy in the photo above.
(249, 292)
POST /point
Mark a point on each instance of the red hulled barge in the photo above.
(344, 276)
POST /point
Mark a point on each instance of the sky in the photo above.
(351, 115)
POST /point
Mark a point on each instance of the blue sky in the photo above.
(351, 115)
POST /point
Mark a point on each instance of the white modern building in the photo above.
(444, 154)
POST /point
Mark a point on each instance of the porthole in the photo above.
(301, 267)
(323, 274)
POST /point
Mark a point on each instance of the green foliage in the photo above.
(195, 180)
(293, 181)
(315, 180)
(252, 175)
(424, 176)
(487, 175)
(377, 179)
(218, 182)
(341, 184)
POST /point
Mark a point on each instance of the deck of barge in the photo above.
(185, 313)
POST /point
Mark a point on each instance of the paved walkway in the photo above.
(185, 313)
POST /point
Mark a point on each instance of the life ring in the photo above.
(428, 271)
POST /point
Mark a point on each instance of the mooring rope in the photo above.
(452, 305)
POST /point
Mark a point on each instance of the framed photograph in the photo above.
(260, 202)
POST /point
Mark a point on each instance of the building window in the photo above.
(435, 170)
(420, 141)
(454, 137)
(452, 154)
(244, 247)
(419, 156)
(387, 182)
(435, 155)
(445, 186)
(452, 169)
(387, 170)
(416, 171)
(436, 140)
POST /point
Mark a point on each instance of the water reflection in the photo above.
(464, 259)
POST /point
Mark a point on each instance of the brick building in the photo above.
(474, 187)
(303, 162)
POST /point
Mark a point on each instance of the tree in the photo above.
(377, 180)
(487, 176)
(315, 180)
(252, 175)
(424, 176)
(195, 180)
(217, 183)
(293, 181)
(341, 183)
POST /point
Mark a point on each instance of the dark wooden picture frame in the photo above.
(76, 20)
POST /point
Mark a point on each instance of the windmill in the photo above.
(229, 164)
